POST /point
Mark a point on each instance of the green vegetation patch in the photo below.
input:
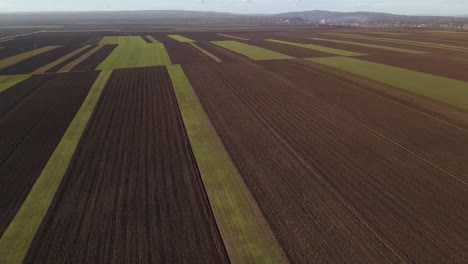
(231, 36)
(318, 48)
(109, 40)
(181, 38)
(405, 41)
(7, 81)
(246, 235)
(17, 238)
(371, 46)
(24, 56)
(253, 52)
(135, 52)
(440, 88)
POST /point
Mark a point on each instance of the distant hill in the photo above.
(178, 17)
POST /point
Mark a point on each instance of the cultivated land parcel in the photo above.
(268, 146)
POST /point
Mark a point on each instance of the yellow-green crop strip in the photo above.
(253, 52)
(181, 38)
(246, 234)
(318, 48)
(45, 68)
(109, 40)
(404, 41)
(371, 46)
(447, 90)
(212, 56)
(17, 238)
(152, 39)
(231, 36)
(7, 81)
(135, 52)
(24, 56)
(83, 57)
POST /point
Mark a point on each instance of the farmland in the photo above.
(310, 145)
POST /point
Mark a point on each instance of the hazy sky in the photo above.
(418, 7)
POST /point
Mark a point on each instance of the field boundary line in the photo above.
(207, 53)
(10, 61)
(17, 238)
(345, 81)
(245, 232)
(47, 67)
(73, 64)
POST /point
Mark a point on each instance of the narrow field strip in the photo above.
(403, 41)
(47, 67)
(206, 52)
(134, 52)
(253, 52)
(109, 40)
(318, 48)
(7, 81)
(24, 56)
(231, 36)
(152, 39)
(440, 88)
(15, 241)
(181, 38)
(74, 63)
(371, 46)
(246, 235)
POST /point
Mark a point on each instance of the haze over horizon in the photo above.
(404, 7)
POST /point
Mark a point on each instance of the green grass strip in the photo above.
(212, 56)
(47, 67)
(246, 234)
(109, 40)
(318, 48)
(440, 88)
(404, 41)
(7, 81)
(371, 46)
(152, 39)
(24, 56)
(231, 36)
(253, 52)
(135, 52)
(181, 38)
(17, 238)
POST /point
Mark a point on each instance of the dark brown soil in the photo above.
(35, 62)
(394, 205)
(31, 129)
(182, 53)
(424, 63)
(59, 66)
(95, 59)
(132, 193)
(147, 40)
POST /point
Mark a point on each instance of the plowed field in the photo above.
(132, 192)
(32, 122)
(404, 206)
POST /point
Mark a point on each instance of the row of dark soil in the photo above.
(132, 193)
(33, 120)
(357, 195)
(35, 62)
(95, 59)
